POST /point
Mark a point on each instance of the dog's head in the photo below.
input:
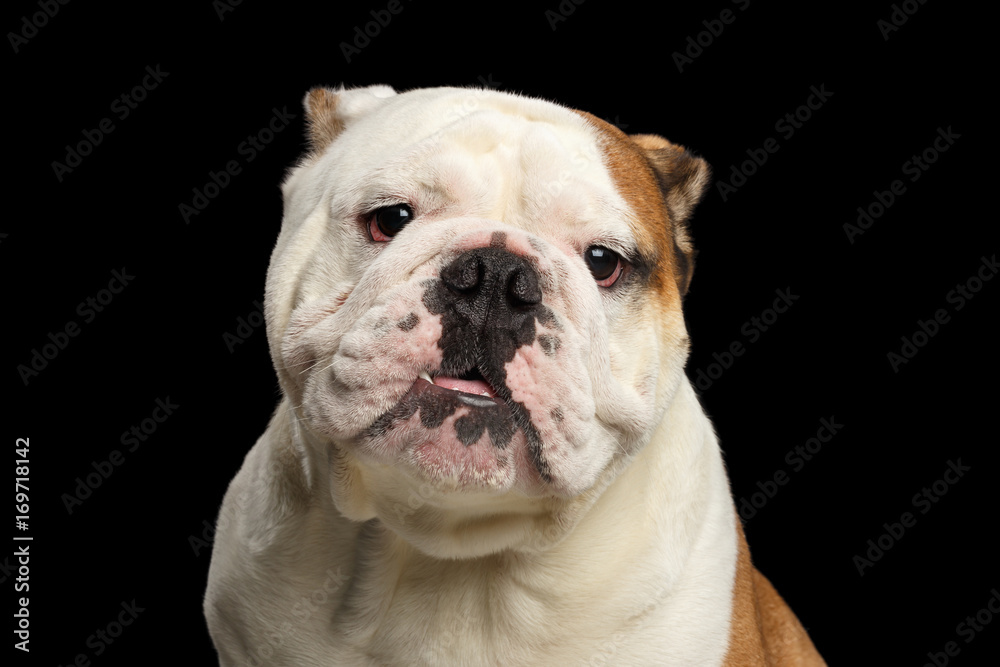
(474, 306)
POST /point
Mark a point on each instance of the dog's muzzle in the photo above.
(489, 300)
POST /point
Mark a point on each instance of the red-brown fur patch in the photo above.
(636, 181)
(321, 115)
(662, 183)
(764, 630)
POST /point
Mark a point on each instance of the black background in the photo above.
(137, 536)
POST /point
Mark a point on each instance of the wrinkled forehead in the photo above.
(481, 121)
(525, 162)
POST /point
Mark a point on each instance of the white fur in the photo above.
(328, 553)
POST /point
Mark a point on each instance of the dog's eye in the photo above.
(387, 221)
(604, 264)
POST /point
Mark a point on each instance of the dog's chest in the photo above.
(496, 613)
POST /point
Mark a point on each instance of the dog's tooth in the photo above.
(424, 375)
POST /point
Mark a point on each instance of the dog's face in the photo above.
(474, 306)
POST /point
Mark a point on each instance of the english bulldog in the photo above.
(487, 451)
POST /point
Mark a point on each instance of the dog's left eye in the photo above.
(387, 221)
(604, 264)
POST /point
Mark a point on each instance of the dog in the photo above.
(487, 451)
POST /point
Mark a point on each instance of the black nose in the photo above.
(494, 278)
(489, 300)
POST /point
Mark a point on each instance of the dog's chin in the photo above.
(450, 469)
(444, 520)
(453, 440)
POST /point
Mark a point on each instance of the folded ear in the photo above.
(683, 178)
(330, 110)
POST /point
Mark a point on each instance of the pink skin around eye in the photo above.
(610, 280)
(375, 232)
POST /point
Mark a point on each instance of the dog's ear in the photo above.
(330, 110)
(683, 179)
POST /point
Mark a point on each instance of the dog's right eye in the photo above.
(387, 221)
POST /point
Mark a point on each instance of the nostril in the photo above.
(523, 288)
(488, 274)
(463, 276)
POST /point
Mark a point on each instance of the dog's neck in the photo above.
(666, 523)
